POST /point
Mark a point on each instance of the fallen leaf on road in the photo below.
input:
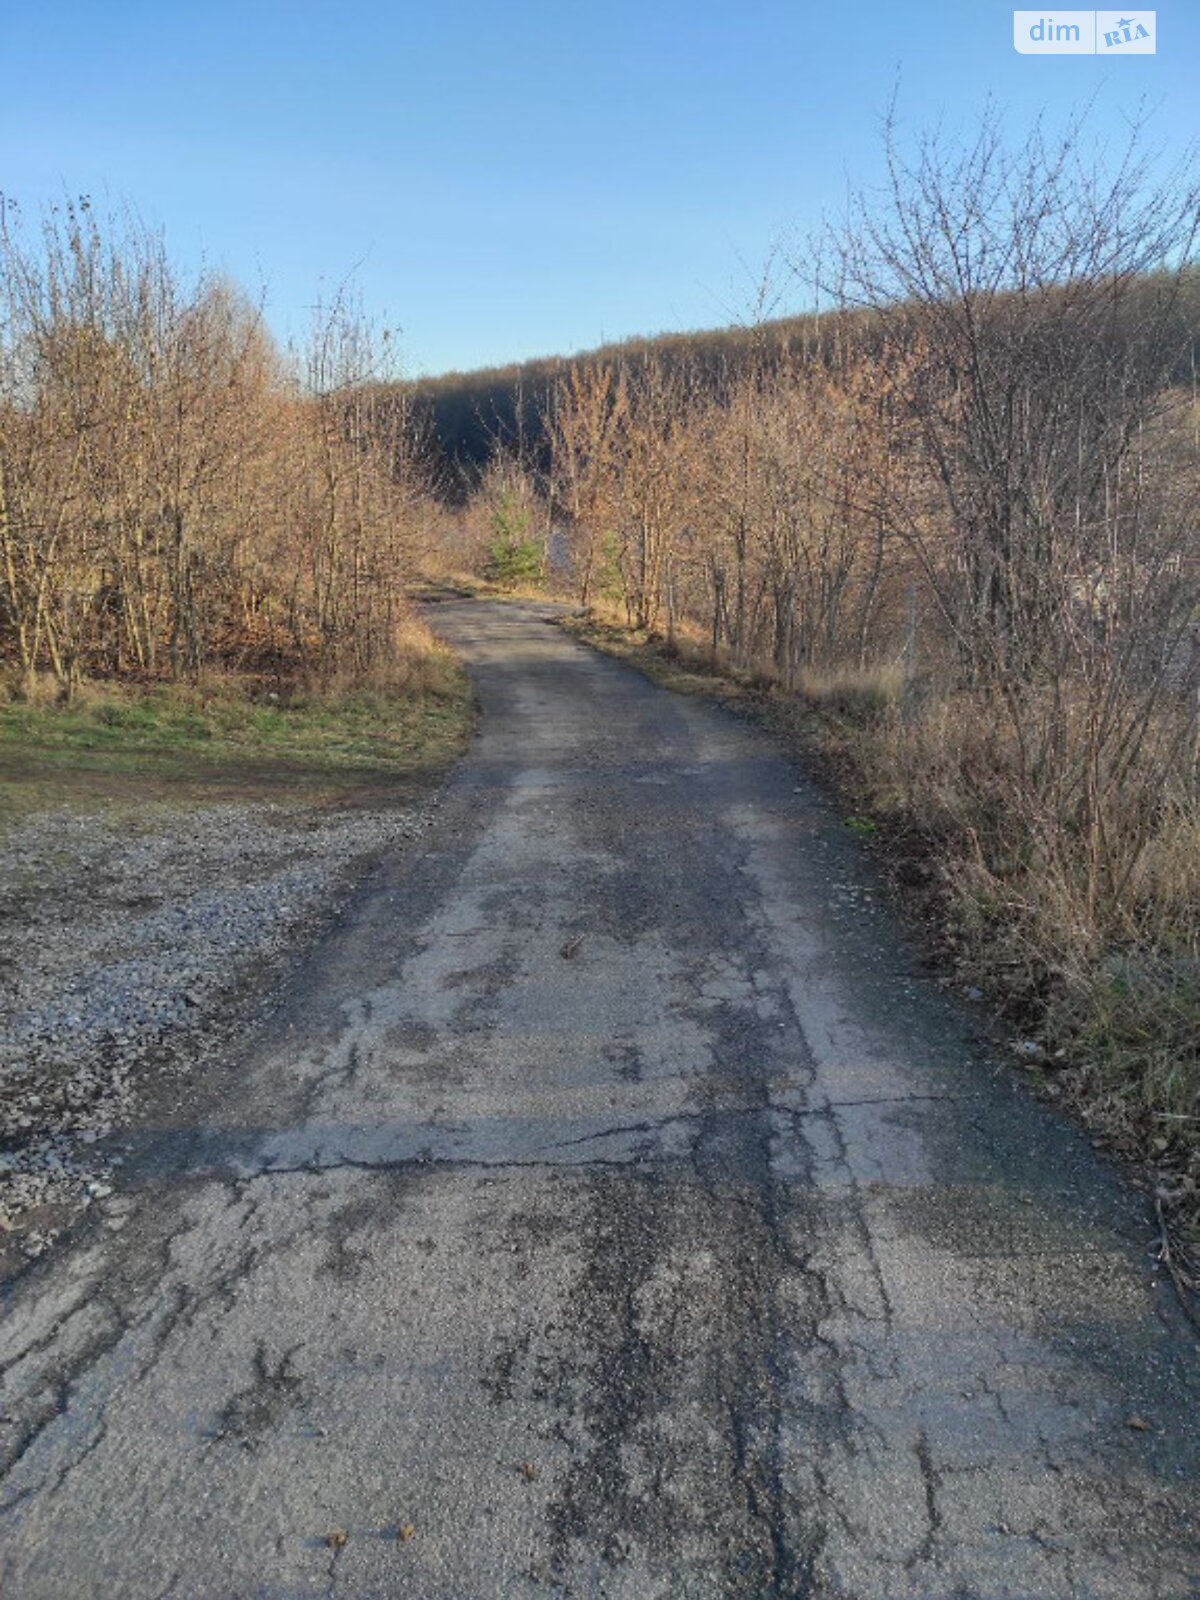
(1139, 1423)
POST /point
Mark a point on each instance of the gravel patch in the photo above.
(127, 945)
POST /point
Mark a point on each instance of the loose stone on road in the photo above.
(612, 1208)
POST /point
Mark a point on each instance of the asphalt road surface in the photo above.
(612, 1208)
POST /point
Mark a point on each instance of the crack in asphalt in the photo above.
(888, 1100)
(159, 1323)
(61, 1387)
(433, 1163)
(933, 1516)
(250, 1411)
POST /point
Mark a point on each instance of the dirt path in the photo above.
(613, 1210)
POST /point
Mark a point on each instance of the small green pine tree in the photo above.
(513, 557)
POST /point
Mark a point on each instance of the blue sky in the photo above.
(524, 177)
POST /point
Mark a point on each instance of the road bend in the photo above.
(611, 1208)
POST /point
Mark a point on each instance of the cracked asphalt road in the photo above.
(611, 1209)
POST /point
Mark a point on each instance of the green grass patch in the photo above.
(379, 744)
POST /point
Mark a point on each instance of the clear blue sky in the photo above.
(520, 177)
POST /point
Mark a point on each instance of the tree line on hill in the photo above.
(470, 416)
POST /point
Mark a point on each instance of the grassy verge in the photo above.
(1109, 1027)
(462, 585)
(684, 666)
(375, 743)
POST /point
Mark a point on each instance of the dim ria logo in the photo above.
(1084, 33)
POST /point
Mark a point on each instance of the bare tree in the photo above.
(1041, 295)
(1045, 298)
(588, 439)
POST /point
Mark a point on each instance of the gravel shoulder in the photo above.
(136, 946)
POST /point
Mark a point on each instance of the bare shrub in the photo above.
(171, 497)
